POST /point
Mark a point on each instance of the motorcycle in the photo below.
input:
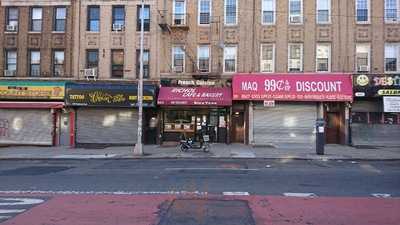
(187, 144)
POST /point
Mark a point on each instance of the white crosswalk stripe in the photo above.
(301, 195)
(12, 206)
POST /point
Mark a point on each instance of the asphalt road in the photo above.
(214, 176)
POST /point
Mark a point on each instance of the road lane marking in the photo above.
(20, 201)
(227, 169)
(7, 211)
(302, 195)
(104, 192)
(235, 193)
(381, 195)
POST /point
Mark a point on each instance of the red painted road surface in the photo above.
(266, 210)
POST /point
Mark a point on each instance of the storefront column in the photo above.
(250, 123)
(347, 123)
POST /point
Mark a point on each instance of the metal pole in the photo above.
(139, 146)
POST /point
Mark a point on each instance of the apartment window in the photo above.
(231, 8)
(146, 18)
(267, 58)
(295, 59)
(362, 11)
(391, 10)
(146, 63)
(295, 11)
(34, 63)
(36, 19)
(204, 11)
(60, 17)
(392, 57)
(179, 16)
(178, 61)
(323, 58)
(58, 63)
(92, 58)
(11, 63)
(323, 11)
(118, 18)
(117, 63)
(203, 57)
(93, 18)
(12, 19)
(230, 57)
(268, 11)
(362, 57)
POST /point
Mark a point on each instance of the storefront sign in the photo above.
(31, 90)
(293, 87)
(195, 96)
(269, 103)
(391, 104)
(108, 95)
(376, 85)
(196, 82)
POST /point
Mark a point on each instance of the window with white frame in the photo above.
(267, 58)
(204, 12)
(268, 11)
(34, 63)
(11, 63)
(392, 51)
(230, 57)
(323, 11)
(178, 59)
(295, 58)
(295, 11)
(362, 11)
(58, 63)
(391, 10)
(179, 13)
(323, 58)
(231, 8)
(12, 19)
(36, 19)
(362, 57)
(203, 57)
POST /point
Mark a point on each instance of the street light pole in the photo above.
(138, 150)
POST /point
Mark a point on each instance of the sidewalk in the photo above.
(337, 152)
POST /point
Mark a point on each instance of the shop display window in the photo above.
(391, 118)
(375, 118)
(179, 121)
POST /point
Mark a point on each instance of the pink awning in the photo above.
(327, 87)
(31, 105)
(195, 96)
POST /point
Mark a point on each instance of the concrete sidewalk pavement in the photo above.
(337, 152)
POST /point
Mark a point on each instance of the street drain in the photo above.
(208, 212)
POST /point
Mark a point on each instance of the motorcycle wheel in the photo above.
(184, 148)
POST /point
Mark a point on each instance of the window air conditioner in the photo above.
(178, 69)
(363, 68)
(9, 73)
(295, 19)
(118, 27)
(11, 28)
(90, 73)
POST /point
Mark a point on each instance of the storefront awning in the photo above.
(331, 87)
(195, 96)
(31, 105)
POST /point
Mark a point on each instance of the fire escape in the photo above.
(177, 27)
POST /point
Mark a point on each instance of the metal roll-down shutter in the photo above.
(106, 126)
(286, 124)
(26, 127)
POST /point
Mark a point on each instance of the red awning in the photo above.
(195, 96)
(31, 105)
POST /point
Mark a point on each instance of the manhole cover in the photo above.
(34, 170)
(208, 212)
